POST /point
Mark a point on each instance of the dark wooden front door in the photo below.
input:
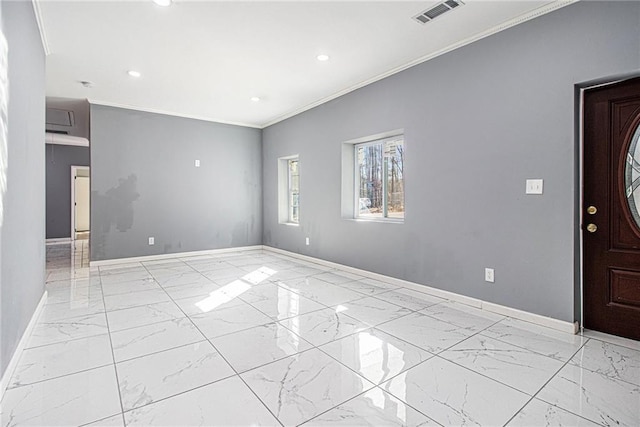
(611, 211)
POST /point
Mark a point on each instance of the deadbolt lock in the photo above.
(591, 228)
(591, 210)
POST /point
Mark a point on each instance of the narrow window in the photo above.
(380, 179)
(289, 190)
(293, 181)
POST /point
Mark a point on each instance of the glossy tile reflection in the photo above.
(375, 355)
(591, 395)
(610, 360)
(63, 358)
(522, 369)
(453, 395)
(538, 413)
(150, 378)
(260, 345)
(320, 327)
(225, 403)
(300, 387)
(373, 408)
(136, 342)
(259, 338)
(73, 399)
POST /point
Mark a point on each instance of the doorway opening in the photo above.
(80, 202)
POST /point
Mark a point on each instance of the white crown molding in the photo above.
(43, 35)
(505, 25)
(172, 113)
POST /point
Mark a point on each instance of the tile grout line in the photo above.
(279, 359)
(369, 326)
(68, 340)
(160, 351)
(113, 355)
(317, 347)
(479, 333)
(220, 354)
(519, 346)
(59, 376)
(432, 355)
(611, 342)
(437, 355)
(546, 383)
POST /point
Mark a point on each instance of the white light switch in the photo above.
(534, 186)
(197, 163)
(152, 241)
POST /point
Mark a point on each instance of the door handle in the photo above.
(592, 228)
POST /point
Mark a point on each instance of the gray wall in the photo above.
(144, 183)
(59, 159)
(478, 122)
(22, 209)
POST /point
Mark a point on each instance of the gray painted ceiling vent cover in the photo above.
(437, 10)
(58, 117)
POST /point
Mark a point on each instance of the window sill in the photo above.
(290, 224)
(377, 220)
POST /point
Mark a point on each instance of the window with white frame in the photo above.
(289, 190)
(379, 179)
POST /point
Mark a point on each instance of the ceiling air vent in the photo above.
(437, 10)
(59, 117)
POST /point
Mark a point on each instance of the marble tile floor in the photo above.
(258, 338)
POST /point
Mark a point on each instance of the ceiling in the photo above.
(207, 59)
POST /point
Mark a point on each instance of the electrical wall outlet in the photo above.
(534, 186)
(152, 240)
(307, 241)
(197, 163)
(489, 275)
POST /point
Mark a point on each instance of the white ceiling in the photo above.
(206, 59)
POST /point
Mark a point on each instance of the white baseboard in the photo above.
(13, 363)
(549, 322)
(175, 255)
(559, 325)
(58, 241)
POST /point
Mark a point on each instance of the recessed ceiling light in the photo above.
(134, 73)
(162, 2)
(322, 57)
(255, 99)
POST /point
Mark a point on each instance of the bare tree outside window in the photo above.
(380, 179)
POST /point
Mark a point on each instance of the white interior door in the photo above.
(82, 189)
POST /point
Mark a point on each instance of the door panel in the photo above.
(611, 231)
(625, 288)
(82, 190)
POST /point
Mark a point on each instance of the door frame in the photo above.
(74, 173)
(580, 90)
